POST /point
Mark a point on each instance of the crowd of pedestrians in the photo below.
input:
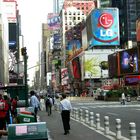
(7, 109)
(48, 103)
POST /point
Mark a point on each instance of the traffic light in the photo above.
(23, 51)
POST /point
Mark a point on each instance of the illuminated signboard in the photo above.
(129, 61)
(104, 27)
(132, 80)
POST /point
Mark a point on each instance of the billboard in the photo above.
(53, 21)
(128, 61)
(138, 29)
(132, 80)
(103, 27)
(92, 61)
(73, 48)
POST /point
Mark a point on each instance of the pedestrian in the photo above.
(3, 113)
(8, 113)
(65, 107)
(49, 103)
(34, 102)
(123, 99)
(14, 106)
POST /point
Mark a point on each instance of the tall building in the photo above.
(4, 73)
(105, 3)
(127, 16)
(73, 12)
(138, 7)
(55, 6)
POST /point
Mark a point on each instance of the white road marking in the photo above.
(114, 114)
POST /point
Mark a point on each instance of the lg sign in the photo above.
(106, 20)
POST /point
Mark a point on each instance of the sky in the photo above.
(33, 14)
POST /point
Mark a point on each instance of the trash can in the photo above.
(28, 131)
(25, 118)
(128, 98)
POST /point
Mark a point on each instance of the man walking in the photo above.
(65, 107)
(123, 98)
(34, 102)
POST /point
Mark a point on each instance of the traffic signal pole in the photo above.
(25, 57)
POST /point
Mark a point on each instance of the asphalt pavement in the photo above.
(77, 132)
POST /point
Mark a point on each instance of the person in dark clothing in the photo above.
(65, 107)
(49, 103)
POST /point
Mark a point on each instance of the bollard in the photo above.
(77, 114)
(118, 129)
(81, 115)
(74, 113)
(97, 121)
(87, 117)
(91, 119)
(106, 124)
(132, 130)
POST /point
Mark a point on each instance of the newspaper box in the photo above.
(25, 118)
(28, 131)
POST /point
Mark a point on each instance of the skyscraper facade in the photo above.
(127, 16)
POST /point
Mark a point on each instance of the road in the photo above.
(127, 113)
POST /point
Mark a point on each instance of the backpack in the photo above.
(48, 101)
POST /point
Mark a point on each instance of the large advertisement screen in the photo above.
(104, 27)
(92, 61)
(128, 61)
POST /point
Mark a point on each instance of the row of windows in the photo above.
(74, 13)
(74, 18)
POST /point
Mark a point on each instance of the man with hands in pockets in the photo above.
(65, 107)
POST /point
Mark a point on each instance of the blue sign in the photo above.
(104, 27)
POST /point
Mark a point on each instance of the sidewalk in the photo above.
(77, 132)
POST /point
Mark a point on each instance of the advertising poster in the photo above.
(73, 49)
(92, 61)
(128, 61)
(104, 27)
(76, 68)
(53, 21)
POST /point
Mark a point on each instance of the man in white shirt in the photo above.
(34, 102)
(65, 107)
